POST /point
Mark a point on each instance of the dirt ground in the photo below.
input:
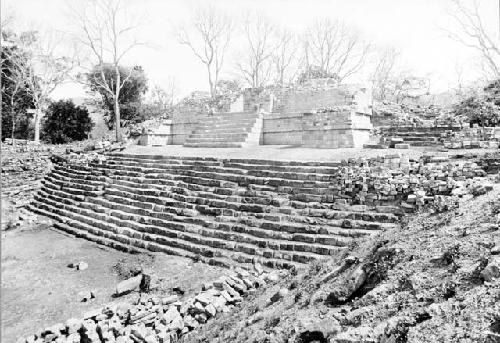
(39, 289)
(287, 152)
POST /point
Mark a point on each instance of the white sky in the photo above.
(412, 26)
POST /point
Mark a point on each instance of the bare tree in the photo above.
(207, 35)
(285, 57)
(105, 36)
(256, 62)
(41, 70)
(473, 34)
(164, 97)
(383, 73)
(16, 77)
(334, 48)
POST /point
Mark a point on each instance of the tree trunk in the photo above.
(37, 125)
(118, 130)
(210, 82)
(13, 129)
(117, 121)
(13, 117)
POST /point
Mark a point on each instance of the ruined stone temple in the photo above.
(310, 116)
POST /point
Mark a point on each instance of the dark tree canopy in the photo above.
(131, 94)
(65, 122)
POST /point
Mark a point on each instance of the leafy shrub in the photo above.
(478, 110)
(65, 122)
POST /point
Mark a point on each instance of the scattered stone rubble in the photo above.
(151, 319)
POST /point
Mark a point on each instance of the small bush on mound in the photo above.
(478, 111)
(65, 122)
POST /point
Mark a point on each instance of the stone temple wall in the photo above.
(184, 121)
(290, 117)
(336, 128)
(345, 121)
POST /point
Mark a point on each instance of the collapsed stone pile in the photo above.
(25, 162)
(400, 181)
(151, 319)
(490, 162)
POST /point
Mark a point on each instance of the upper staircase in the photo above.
(227, 130)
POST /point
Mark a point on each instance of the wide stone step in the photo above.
(298, 173)
(229, 120)
(220, 139)
(187, 159)
(218, 135)
(418, 134)
(420, 139)
(236, 130)
(215, 145)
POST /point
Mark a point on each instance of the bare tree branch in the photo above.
(207, 36)
(334, 48)
(472, 33)
(256, 61)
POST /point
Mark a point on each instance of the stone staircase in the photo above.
(227, 130)
(420, 136)
(223, 212)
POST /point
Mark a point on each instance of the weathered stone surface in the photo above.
(492, 270)
(129, 285)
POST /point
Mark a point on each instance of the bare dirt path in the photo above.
(39, 290)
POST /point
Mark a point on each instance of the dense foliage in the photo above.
(65, 122)
(315, 72)
(131, 94)
(478, 109)
(227, 92)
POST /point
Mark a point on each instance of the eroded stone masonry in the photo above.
(280, 214)
(325, 117)
(237, 213)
